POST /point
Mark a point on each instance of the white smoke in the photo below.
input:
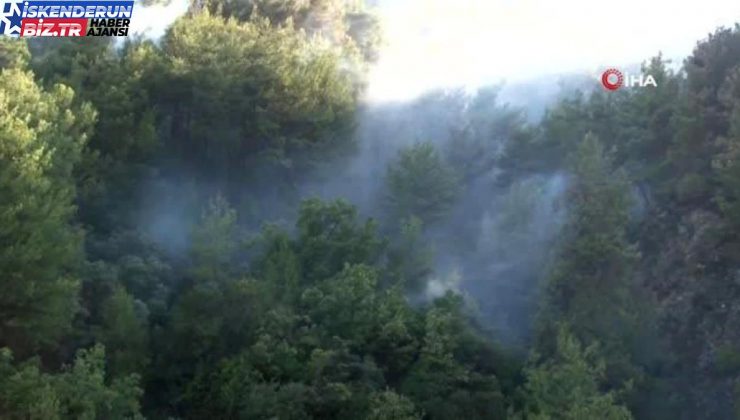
(152, 21)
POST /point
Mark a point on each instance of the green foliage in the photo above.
(388, 405)
(568, 385)
(421, 184)
(443, 385)
(125, 333)
(344, 23)
(315, 335)
(125, 142)
(68, 60)
(235, 389)
(117, 82)
(345, 306)
(14, 53)
(244, 100)
(330, 236)
(727, 163)
(80, 391)
(281, 266)
(728, 360)
(210, 320)
(277, 11)
(591, 285)
(410, 259)
(648, 128)
(214, 242)
(475, 148)
(125, 262)
(41, 136)
(704, 117)
(638, 126)
(261, 110)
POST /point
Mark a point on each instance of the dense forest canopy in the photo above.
(214, 225)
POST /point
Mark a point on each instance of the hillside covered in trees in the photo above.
(214, 225)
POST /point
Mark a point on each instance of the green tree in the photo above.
(388, 405)
(344, 23)
(346, 305)
(280, 100)
(280, 267)
(703, 117)
(41, 137)
(410, 258)
(568, 385)
(421, 184)
(474, 148)
(591, 284)
(440, 381)
(214, 243)
(212, 314)
(14, 53)
(79, 391)
(124, 143)
(330, 236)
(215, 313)
(726, 166)
(125, 333)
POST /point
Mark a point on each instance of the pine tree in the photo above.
(567, 385)
(80, 391)
(421, 184)
(591, 284)
(124, 332)
(41, 137)
(14, 53)
(261, 110)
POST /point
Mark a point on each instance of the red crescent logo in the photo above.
(609, 85)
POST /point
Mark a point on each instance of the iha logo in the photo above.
(613, 79)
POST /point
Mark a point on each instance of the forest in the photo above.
(215, 225)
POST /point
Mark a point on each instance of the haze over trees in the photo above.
(215, 226)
